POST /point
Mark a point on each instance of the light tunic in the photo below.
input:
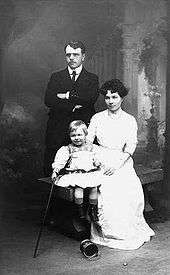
(81, 165)
(121, 199)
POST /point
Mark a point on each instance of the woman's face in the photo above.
(113, 101)
(78, 137)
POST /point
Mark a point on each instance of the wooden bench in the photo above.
(61, 215)
(148, 177)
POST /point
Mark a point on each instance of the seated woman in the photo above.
(121, 199)
(81, 168)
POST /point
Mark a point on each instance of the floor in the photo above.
(59, 254)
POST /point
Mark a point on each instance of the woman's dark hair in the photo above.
(115, 86)
(75, 44)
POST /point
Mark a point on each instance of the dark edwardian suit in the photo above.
(83, 92)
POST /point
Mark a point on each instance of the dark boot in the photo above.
(80, 211)
(93, 212)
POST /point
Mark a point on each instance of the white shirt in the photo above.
(77, 70)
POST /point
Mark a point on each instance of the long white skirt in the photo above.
(121, 205)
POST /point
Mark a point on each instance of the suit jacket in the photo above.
(83, 92)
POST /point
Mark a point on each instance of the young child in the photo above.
(80, 168)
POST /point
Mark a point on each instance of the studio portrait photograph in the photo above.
(84, 137)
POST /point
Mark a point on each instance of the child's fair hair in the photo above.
(74, 125)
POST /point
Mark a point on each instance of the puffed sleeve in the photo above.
(131, 139)
(60, 159)
(92, 129)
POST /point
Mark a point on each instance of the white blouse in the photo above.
(117, 131)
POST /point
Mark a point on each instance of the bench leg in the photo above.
(155, 213)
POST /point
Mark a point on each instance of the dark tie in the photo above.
(73, 76)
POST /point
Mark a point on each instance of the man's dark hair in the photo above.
(115, 86)
(75, 44)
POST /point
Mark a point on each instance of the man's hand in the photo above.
(77, 107)
(63, 95)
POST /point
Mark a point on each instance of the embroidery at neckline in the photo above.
(114, 116)
(86, 147)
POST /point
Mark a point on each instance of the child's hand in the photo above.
(96, 162)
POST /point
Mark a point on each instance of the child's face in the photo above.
(78, 137)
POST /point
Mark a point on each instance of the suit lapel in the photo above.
(66, 78)
(66, 75)
(82, 77)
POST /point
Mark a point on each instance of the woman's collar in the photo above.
(116, 114)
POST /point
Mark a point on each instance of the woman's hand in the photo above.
(108, 171)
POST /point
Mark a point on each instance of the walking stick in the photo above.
(43, 221)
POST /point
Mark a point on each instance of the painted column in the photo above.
(131, 70)
(167, 142)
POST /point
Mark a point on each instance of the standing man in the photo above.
(70, 95)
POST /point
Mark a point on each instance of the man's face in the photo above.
(74, 57)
